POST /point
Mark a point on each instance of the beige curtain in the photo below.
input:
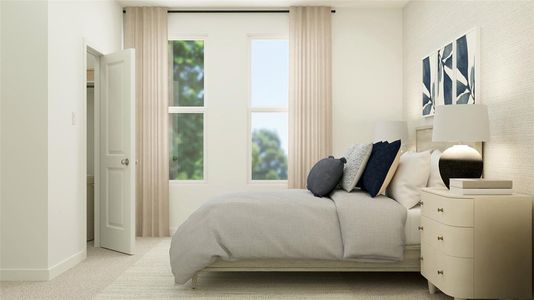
(310, 99)
(145, 30)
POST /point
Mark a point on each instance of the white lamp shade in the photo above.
(461, 123)
(391, 131)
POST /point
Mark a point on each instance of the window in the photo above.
(269, 76)
(186, 110)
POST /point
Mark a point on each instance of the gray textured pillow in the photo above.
(357, 157)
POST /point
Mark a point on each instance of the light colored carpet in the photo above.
(151, 278)
(83, 281)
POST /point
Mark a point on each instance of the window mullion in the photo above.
(186, 110)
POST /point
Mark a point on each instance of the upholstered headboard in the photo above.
(423, 141)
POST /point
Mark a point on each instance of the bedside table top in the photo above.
(444, 192)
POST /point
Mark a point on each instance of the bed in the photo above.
(291, 230)
(410, 263)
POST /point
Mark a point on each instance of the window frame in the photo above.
(191, 110)
(251, 109)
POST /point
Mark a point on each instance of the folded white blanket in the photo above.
(372, 229)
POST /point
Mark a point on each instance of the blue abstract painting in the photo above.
(428, 99)
(445, 75)
(466, 68)
(430, 84)
(450, 74)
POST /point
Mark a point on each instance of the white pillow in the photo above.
(412, 175)
(434, 180)
(357, 157)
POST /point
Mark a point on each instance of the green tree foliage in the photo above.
(187, 147)
(188, 73)
(269, 162)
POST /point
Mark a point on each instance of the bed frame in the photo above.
(412, 253)
(411, 263)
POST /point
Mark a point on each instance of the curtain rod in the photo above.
(230, 11)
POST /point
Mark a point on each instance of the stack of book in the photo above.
(465, 186)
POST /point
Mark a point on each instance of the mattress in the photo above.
(411, 229)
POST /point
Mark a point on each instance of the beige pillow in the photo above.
(391, 173)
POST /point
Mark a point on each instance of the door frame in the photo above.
(88, 48)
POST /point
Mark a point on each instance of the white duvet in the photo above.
(289, 224)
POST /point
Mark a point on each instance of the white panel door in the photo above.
(117, 151)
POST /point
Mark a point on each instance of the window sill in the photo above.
(268, 182)
(187, 182)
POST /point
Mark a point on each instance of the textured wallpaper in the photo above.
(506, 74)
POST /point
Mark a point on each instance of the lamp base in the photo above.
(460, 161)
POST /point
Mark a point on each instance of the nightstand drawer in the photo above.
(452, 275)
(455, 276)
(450, 211)
(453, 241)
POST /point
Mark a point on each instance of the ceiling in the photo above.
(221, 4)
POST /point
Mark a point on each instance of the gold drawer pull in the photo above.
(440, 272)
(440, 238)
(420, 202)
(440, 209)
(420, 228)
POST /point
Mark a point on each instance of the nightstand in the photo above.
(477, 246)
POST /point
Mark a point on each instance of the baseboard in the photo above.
(43, 274)
(23, 274)
(66, 264)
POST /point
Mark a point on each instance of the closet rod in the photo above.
(230, 11)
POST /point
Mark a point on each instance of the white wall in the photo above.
(367, 87)
(43, 175)
(506, 74)
(69, 22)
(366, 72)
(23, 228)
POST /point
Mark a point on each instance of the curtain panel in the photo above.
(145, 30)
(310, 90)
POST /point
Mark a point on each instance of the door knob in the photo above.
(125, 162)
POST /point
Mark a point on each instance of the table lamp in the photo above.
(460, 124)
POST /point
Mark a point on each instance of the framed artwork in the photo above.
(450, 74)
(466, 68)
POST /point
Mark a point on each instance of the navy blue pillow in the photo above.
(382, 157)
